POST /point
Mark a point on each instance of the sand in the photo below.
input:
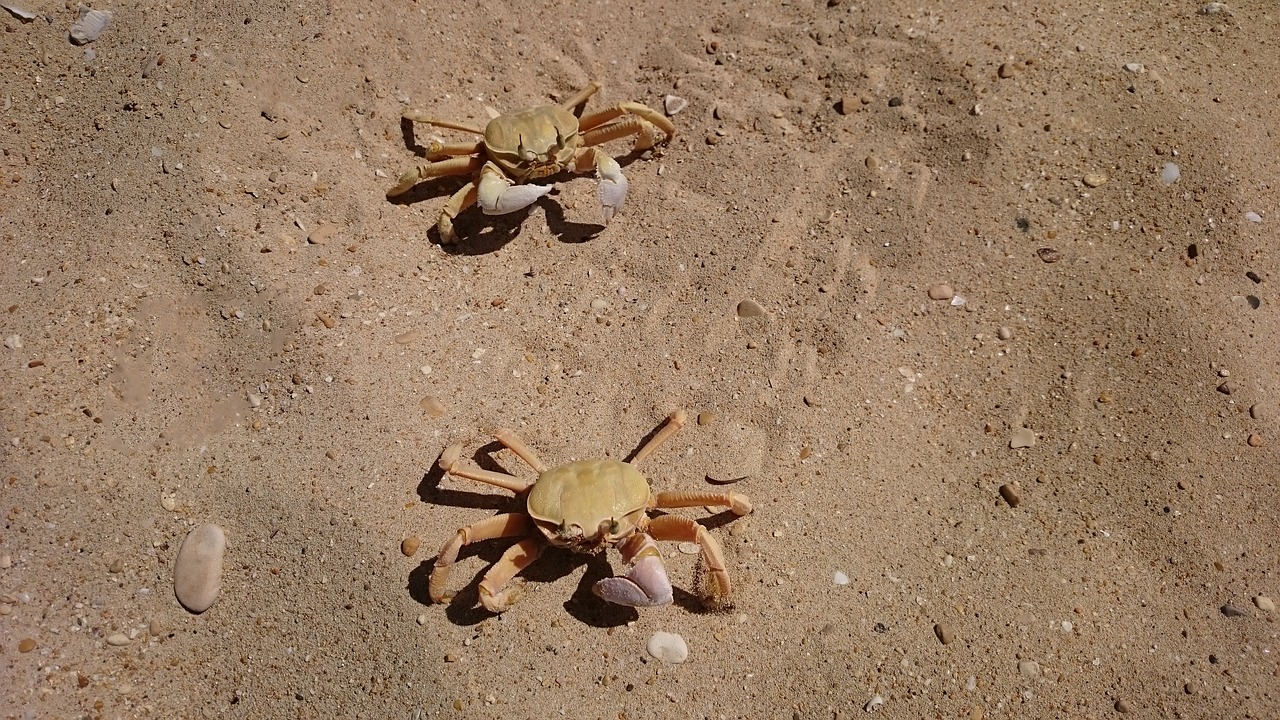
(177, 352)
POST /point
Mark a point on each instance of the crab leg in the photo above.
(645, 584)
(498, 195)
(498, 526)
(639, 120)
(495, 594)
(716, 587)
(459, 201)
(737, 502)
(582, 96)
(439, 168)
(674, 422)
(450, 462)
(508, 437)
(419, 117)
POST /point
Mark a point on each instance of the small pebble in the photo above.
(1264, 603)
(1256, 412)
(945, 634)
(668, 647)
(6, 561)
(432, 406)
(674, 104)
(155, 628)
(1030, 668)
(1049, 255)
(689, 548)
(1255, 440)
(117, 566)
(1253, 217)
(1010, 495)
(197, 572)
(750, 308)
(706, 418)
(408, 336)
(1227, 388)
(1004, 333)
(1006, 70)
(1170, 173)
(90, 26)
(1233, 611)
(941, 291)
(26, 645)
(322, 234)
(409, 546)
(117, 639)
(1022, 438)
(168, 502)
(599, 304)
(839, 578)
(1122, 706)
(1094, 180)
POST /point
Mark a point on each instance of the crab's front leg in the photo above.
(645, 584)
(498, 195)
(613, 184)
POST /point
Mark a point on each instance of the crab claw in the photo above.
(645, 584)
(498, 196)
(613, 185)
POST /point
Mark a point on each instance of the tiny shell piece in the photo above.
(22, 14)
(90, 26)
(674, 104)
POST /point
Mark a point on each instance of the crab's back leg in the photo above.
(419, 117)
(498, 526)
(440, 168)
(637, 119)
(459, 201)
(645, 584)
(674, 422)
(714, 579)
(581, 96)
(451, 463)
(496, 592)
(508, 437)
(737, 502)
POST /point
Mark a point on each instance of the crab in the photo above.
(589, 506)
(531, 144)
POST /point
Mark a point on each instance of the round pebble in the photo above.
(1094, 180)
(689, 548)
(1264, 603)
(197, 573)
(668, 647)
(1255, 440)
(1049, 255)
(941, 291)
(26, 645)
(1004, 333)
(750, 308)
(1122, 706)
(117, 639)
(1030, 668)
(1170, 173)
(409, 546)
(945, 634)
(674, 104)
(1253, 217)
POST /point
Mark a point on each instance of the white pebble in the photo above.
(689, 548)
(674, 104)
(197, 572)
(117, 639)
(1067, 626)
(1253, 217)
(668, 647)
(873, 704)
(839, 578)
(1135, 68)
(1170, 173)
(13, 342)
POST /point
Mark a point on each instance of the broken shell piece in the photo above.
(90, 26)
(674, 104)
(22, 14)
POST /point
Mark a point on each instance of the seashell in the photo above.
(22, 14)
(90, 26)
(674, 104)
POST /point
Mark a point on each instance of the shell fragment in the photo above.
(90, 26)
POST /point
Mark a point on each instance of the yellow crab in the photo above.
(532, 144)
(588, 506)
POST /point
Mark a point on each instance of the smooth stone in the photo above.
(197, 573)
(1023, 438)
(1094, 180)
(1170, 173)
(1264, 603)
(750, 308)
(1030, 668)
(945, 634)
(1010, 495)
(668, 647)
(941, 291)
(839, 578)
(117, 639)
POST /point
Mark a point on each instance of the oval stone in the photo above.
(197, 573)
(668, 647)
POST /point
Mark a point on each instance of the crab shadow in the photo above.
(554, 565)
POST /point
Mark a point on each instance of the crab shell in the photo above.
(533, 143)
(589, 505)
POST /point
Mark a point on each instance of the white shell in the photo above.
(90, 26)
(668, 647)
(22, 14)
(674, 104)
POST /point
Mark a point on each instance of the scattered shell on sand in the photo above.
(90, 26)
(668, 647)
(1022, 438)
(22, 14)
(197, 573)
(674, 104)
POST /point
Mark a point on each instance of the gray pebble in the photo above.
(1170, 173)
(1227, 388)
(197, 572)
(1233, 611)
(1256, 412)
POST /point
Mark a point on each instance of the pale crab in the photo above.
(532, 144)
(589, 506)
